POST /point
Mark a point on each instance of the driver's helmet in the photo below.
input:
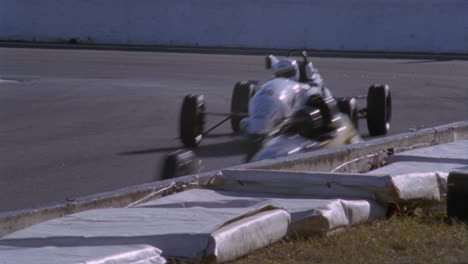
(308, 122)
(286, 68)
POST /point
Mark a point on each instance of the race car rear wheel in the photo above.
(179, 163)
(379, 109)
(349, 107)
(241, 95)
(192, 120)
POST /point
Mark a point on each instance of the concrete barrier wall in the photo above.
(321, 160)
(361, 157)
(359, 25)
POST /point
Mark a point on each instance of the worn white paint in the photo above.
(362, 25)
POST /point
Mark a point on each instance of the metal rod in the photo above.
(216, 114)
(217, 125)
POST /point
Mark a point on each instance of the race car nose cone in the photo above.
(258, 126)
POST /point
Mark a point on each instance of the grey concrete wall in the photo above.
(359, 25)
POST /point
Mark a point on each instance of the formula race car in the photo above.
(291, 113)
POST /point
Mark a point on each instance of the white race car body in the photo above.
(291, 113)
(272, 108)
(290, 143)
(284, 145)
(276, 101)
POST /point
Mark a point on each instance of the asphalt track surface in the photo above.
(78, 122)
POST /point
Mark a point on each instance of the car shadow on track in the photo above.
(234, 146)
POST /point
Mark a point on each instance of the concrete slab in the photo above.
(441, 158)
(309, 215)
(126, 254)
(178, 232)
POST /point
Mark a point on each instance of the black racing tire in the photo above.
(179, 163)
(457, 195)
(241, 95)
(379, 109)
(192, 120)
(349, 107)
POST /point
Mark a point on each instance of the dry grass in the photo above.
(400, 239)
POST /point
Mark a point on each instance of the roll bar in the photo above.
(270, 59)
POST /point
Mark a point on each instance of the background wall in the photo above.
(361, 25)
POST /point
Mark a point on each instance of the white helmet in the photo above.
(286, 68)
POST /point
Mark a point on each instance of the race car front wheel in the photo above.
(379, 109)
(192, 120)
(179, 163)
(241, 95)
